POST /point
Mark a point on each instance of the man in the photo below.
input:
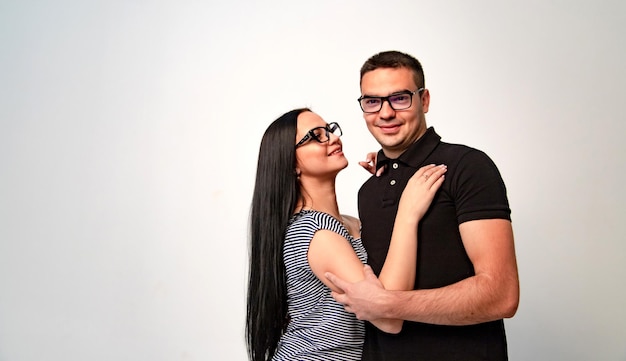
(466, 280)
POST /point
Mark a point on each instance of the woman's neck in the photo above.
(320, 196)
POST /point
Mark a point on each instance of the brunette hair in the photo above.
(276, 193)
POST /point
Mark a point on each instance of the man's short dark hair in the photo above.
(395, 59)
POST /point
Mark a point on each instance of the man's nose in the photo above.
(386, 111)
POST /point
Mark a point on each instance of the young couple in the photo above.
(434, 231)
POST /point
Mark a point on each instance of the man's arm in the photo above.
(491, 294)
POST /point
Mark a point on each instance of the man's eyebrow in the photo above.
(388, 95)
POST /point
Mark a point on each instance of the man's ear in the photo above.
(425, 100)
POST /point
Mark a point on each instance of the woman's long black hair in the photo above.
(276, 193)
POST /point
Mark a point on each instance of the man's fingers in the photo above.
(341, 284)
(339, 297)
(368, 272)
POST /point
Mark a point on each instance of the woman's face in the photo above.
(315, 159)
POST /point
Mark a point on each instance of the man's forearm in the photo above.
(471, 301)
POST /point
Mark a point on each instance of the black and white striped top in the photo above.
(320, 328)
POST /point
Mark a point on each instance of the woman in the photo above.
(297, 234)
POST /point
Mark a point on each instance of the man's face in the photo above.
(395, 130)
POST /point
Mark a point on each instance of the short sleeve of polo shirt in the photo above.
(478, 189)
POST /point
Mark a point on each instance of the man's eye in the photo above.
(399, 98)
(372, 101)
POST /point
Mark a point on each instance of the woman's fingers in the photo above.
(435, 174)
(367, 166)
(370, 163)
(430, 175)
(427, 171)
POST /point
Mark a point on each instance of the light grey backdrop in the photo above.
(129, 133)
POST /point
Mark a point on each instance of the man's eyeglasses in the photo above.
(398, 101)
(321, 134)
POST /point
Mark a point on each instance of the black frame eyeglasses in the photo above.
(397, 101)
(321, 136)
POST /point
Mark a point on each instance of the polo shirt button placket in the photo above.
(390, 194)
(393, 181)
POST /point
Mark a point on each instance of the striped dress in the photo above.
(319, 327)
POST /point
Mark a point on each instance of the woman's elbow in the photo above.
(390, 326)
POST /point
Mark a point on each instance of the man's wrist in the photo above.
(386, 304)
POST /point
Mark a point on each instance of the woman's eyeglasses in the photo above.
(321, 134)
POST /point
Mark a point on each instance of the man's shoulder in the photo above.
(456, 147)
(454, 152)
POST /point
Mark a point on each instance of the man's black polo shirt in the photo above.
(473, 189)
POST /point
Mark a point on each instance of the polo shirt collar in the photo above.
(416, 153)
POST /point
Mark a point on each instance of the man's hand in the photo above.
(363, 298)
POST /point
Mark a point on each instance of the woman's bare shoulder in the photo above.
(353, 225)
